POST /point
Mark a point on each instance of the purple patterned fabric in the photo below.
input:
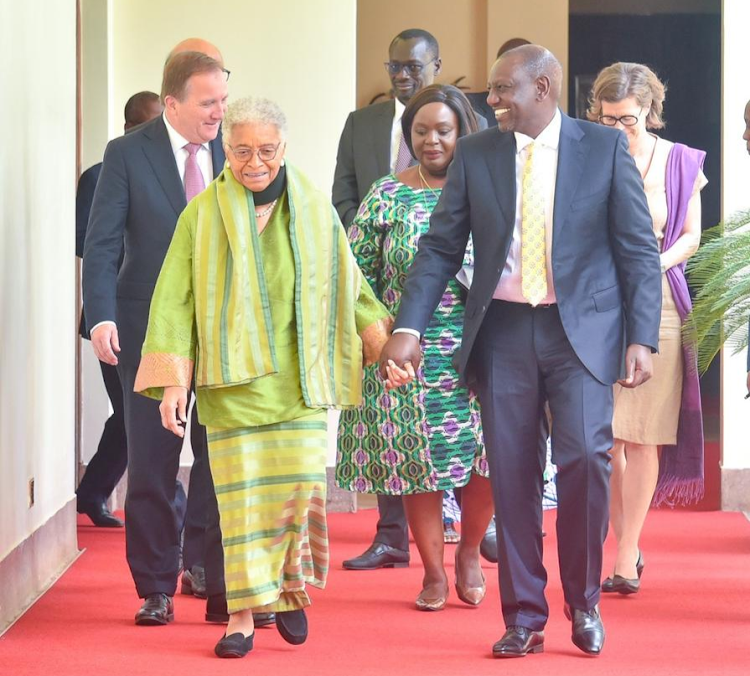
(681, 466)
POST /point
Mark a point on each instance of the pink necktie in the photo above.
(404, 158)
(194, 182)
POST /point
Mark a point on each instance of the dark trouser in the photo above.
(108, 465)
(522, 357)
(201, 489)
(154, 505)
(392, 529)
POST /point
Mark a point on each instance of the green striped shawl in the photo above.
(226, 309)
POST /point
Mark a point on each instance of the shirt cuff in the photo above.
(411, 332)
(106, 321)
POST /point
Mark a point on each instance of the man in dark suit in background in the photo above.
(566, 281)
(106, 467)
(146, 180)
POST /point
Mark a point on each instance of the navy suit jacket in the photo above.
(138, 198)
(605, 260)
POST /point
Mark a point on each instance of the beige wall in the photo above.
(469, 33)
(37, 267)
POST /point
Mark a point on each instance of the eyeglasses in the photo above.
(413, 67)
(266, 153)
(228, 72)
(624, 120)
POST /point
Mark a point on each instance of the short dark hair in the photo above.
(452, 97)
(419, 34)
(135, 108)
(511, 44)
(180, 68)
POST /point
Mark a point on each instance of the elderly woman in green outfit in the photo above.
(261, 299)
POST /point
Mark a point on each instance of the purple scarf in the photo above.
(681, 466)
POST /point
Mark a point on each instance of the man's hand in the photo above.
(106, 342)
(173, 409)
(639, 366)
(399, 358)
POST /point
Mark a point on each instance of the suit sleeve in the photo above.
(441, 251)
(345, 192)
(84, 199)
(635, 250)
(104, 239)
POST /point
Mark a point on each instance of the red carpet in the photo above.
(692, 617)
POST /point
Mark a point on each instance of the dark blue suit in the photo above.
(138, 199)
(607, 282)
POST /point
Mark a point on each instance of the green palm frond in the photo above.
(720, 274)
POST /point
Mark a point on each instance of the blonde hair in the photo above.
(622, 80)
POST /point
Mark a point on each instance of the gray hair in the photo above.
(253, 109)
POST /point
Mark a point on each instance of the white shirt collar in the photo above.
(177, 140)
(399, 111)
(549, 136)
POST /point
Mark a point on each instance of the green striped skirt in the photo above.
(270, 483)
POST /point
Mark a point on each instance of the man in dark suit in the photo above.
(566, 281)
(106, 467)
(146, 180)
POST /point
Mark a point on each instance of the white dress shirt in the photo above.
(178, 143)
(396, 133)
(545, 169)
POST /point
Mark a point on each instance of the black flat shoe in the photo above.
(156, 610)
(588, 630)
(216, 611)
(292, 625)
(519, 642)
(488, 545)
(378, 555)
(193, 582)
(234, 645)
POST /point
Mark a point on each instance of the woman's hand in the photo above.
(396, 377)
(399, 359)
(173, 409)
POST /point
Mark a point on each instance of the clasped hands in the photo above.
(398, 360)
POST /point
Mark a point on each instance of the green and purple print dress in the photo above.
(425, 436)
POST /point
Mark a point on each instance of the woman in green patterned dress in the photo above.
(425, 437)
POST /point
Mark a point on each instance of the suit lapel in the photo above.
(158, 151)
(501, 163)
(571, 159)
(381, 133)
(217, 154)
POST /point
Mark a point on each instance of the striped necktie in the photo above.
(194, 182)
(533, 235)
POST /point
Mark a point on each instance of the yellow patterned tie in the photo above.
(533, 237)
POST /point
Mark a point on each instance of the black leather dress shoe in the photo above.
(157, 609)
(488, 545)
(99, 515)
(377, 556)
(518, 642)
(234, 645)
(588, 630)
(216, 611)
(292, 625)
(193, 582)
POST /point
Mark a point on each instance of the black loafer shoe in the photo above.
(588, 630)
(157, 609)
(518, 642)
(99, 514)
(234, 645)
(377, 556)
(193, 582)
(292, 625)
(488, 545)
(216, 611)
